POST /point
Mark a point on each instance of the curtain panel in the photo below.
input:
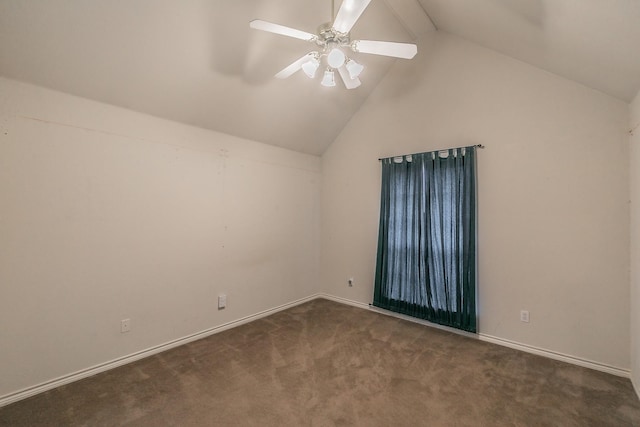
(426, 259)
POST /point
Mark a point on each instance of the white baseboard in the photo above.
(635, 386)
(585, 363)
(343, 300)
(88, 372)
(84, 373)
(396, 315)
(494, 340)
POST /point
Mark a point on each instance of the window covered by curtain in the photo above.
(426, 262)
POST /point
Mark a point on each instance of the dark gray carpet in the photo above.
(327, 364)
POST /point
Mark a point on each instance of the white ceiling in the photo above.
(593, 42)
(197, 61)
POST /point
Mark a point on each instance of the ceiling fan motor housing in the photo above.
(327, 35)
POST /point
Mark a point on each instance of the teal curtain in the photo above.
(426, 261)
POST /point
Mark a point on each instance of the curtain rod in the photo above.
(432, 151)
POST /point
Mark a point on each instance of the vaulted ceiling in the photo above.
(197, 61)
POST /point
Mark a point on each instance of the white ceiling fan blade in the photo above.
(293, 67)
(349, 83)
(397, 50)
(257, 24)
(349, 12)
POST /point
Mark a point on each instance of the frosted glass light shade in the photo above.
(310, 67)
(354, 68)
(335, 58)
(328, 79)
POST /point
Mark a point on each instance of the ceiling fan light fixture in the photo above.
(310, 67)
(328, 79)
(331, 40)
(354, 68)
(335, 58)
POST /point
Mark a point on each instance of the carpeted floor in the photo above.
(327, 364)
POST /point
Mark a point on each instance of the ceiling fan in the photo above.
(331, 40)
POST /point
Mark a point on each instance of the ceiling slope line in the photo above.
(428, 16)
(412, 16)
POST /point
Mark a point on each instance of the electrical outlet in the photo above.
(125, 325)
(524, 316)
(222, 301)
(350, 281)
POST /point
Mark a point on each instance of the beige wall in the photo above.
(553, 193)
(107, 214)
(634, 140)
